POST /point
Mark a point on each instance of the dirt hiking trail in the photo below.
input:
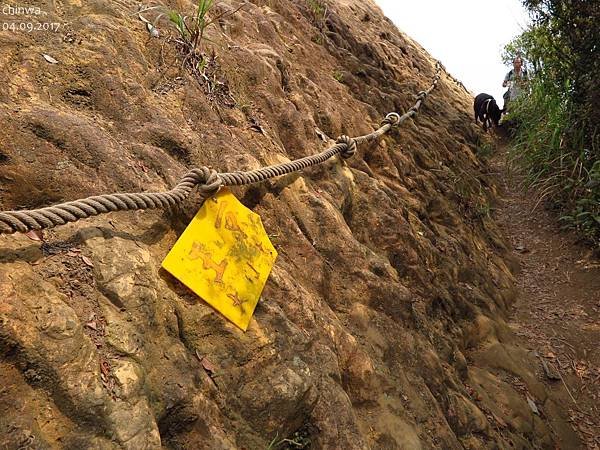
(557, 312)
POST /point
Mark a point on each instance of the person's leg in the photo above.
(506, 98)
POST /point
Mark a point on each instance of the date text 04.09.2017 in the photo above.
(30, 26)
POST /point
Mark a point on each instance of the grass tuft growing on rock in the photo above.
(191, 32)
(319, 12)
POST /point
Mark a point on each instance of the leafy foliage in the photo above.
(556, 124)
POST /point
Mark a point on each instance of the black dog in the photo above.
(486, 110)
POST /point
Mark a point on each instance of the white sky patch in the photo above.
(467, 36)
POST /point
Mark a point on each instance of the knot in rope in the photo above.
(421, 95)
(349, 146)
(391, 118)
(208, 180)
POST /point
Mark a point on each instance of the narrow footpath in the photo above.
(557, 313)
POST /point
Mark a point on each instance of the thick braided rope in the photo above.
(207, 180)
(345, 146)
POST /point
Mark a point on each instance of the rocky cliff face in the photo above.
(382, 323)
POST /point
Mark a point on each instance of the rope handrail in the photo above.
(208, 181)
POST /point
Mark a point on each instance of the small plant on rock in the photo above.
(191, 30)
(191, 33)
(318, 8)
(319, 12)
(189, 42)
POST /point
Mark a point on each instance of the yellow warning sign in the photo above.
(224, 256)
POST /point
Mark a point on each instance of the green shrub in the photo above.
(555, 127)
